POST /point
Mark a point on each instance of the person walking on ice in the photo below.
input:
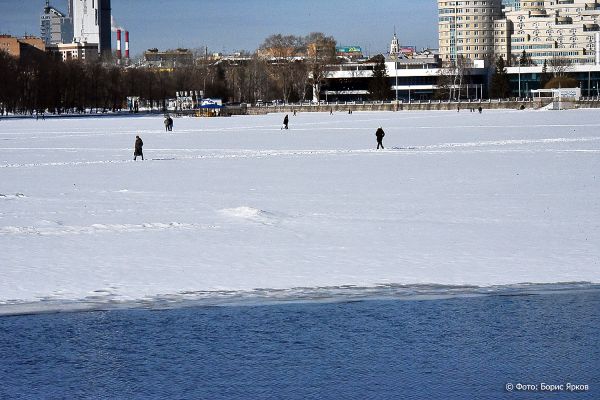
(379, 134)
(168, 123)
(138, 148)
(285, 121)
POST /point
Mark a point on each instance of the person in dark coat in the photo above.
(138, 148)
(285, 121)
(379, 134)
(168, 123)
(480, 110)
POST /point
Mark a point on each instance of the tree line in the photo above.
(40, 82)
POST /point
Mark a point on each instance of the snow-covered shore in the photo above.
(235, 204)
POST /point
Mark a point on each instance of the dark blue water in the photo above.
(459, 348)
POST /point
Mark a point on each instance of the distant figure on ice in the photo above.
(294, 113)
(331, 111)
(138, 148)
(480, 109)
(168, 123)
(379, 134)
(285, 121)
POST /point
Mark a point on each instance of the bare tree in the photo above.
(560, 66)
(281, 51)
(450, 79)
(321, 53)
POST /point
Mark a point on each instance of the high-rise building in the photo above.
(91, 22)
(467, 29)
(551, 30)
(546, 30)
(56, 27)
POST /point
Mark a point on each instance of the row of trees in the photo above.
(43, 83)
(40, 82)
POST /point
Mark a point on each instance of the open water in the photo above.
(469, 347)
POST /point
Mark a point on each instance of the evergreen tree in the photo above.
(525, 60)
(545, 77)
(379, 88)
(500, 85)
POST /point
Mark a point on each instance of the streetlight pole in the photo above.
(519, 78)
(396, 73)
(589, 83)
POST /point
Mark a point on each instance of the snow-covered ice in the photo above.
(236, 204)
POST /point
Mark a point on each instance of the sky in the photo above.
(232, 25)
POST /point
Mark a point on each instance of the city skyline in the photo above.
(229, 26)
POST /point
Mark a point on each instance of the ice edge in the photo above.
(263, 296)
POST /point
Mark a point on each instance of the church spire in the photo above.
(394, 46)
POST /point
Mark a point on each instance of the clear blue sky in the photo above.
(231, 25)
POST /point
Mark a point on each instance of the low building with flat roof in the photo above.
(22, 47)
(75, 51)
(168, 58)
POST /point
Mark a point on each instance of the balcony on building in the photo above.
(563, 21)
(592, 6)
(538, 13)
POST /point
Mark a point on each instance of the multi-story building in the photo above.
(56, 27)
(91, 23)
(468, 30)
(74, 51)
(551, 29)
(21, 47)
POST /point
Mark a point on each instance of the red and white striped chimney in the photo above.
(118, 44)
(127, 45)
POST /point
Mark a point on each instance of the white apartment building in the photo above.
(471, 30)
(545, 30)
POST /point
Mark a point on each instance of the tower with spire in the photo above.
(394, 46)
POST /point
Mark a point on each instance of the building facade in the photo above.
(75, 51)
(55, 26)
(91, 23)
(21, 47)
(563, 29)
(544, 29)
(168, 59)
(468, 29)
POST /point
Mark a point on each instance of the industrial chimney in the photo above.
(118, 44)
(127, 45)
